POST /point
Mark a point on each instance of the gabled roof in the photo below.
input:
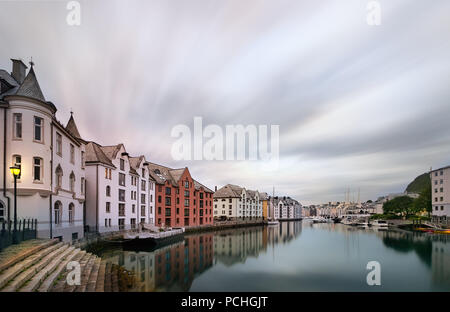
(72, 127)
(228, 191)
(198, 185)
(30, 87)
(111, 150)
(95, 154)
(161, 174)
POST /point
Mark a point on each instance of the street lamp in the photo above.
(15, 170)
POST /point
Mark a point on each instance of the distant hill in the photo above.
(419, 184)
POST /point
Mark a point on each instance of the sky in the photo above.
(358, 106)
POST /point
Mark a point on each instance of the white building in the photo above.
(51, 186)
(233, 201)
(440, 194)
(284, 208)
(120, 191)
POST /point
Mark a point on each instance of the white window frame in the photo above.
(41, 127)
(41, 170)
(15, 123)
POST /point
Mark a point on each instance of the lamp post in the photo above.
(15, 170)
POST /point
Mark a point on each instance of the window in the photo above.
(143, 172)
(82, 159)
(106, 173)
(121, 179)
(168, 201)
(168, 212)
(110, 174)
(133, 208)
(72, 182)
(37, 169)
(122, 195)
(143, 211)
(122, 164)
(201, 195)
(2, 212)
(106, 222)
(186, 184)
(186, 193)
(17, 131)
(71, 213)
(108, 207)
(58, 212)
(168, 191)
(58, 144)
(186, 203)
(72, 154)
(143, 185)
(121, 224)
(59, 175)
(17, 161)
(142, 198)
(121, 210)
(159, 199)
(108, 190)
(82, 186)
(38, 128)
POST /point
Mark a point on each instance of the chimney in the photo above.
(215, 188)
(18, 70)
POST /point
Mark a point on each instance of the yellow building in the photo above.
(265, 205)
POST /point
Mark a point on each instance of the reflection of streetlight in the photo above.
(15, 170)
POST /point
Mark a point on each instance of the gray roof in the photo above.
(72, 128)
(30, 87)
(95, 154)
(228, 191)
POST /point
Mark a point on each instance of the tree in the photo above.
(400, 205)
(423, 202)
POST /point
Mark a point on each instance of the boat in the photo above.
(319, 220)
(380, 223)
(273, 222)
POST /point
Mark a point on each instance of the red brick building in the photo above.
(180, 201)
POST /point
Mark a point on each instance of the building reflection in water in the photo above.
(174, 267)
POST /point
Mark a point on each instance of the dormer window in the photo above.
(157, 171)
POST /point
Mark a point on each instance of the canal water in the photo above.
(293, 256)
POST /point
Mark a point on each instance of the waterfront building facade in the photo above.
(180, 201)
(440, 195)
(51, 185)
(285, 208)
(236, 202)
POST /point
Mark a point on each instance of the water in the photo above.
(293, 256)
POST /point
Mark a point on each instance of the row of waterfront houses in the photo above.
(237, 202)
(73, 186)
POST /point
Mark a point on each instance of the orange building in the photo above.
(180, 201)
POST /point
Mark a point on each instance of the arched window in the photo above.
(72, 182)
(108, 190)
(58, 212)
(2, 212)
(71, 213)
(59, 175)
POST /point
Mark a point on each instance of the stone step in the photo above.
(60, 283)
(50, 280)
(83, 262)
(114, 278)
(27, 274)
(108, 275)
(26, 253)
(9, 274)
(100, 285)
(86, 273)
(41, 275)
(92, 282)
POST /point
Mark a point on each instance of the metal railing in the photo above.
(26, 229)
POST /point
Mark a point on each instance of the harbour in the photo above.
(291, 256)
